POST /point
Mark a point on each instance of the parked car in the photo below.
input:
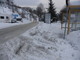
(13, 21)
(16, 17)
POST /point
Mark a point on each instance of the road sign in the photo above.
(48, 18)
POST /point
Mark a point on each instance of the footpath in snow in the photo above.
(43, 42)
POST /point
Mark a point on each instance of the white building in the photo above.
(5, 18)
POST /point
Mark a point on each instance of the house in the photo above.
(72, 17)
(5, 18)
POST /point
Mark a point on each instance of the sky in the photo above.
(59, 4)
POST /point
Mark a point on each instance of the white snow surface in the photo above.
(5, 25)
(5, 10)
(43, 42)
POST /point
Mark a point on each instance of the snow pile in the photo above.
(7, 50)
(42, 42)
(5, 25)
(25, 20)
(74, 39)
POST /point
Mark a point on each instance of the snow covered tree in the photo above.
(52, 11)
(6, 3)
(40, 10)
(2, 2)
(10, 3)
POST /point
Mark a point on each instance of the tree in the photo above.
(52, 11)
(40, 10)
(1, 2)
(10, 3)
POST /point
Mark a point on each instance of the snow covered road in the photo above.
(11, 32)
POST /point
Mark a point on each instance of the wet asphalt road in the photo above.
(14, 31)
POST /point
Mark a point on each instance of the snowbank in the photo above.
(5, 25)
(42, 42)
(74, 39)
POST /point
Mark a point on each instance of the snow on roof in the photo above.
(75, 3)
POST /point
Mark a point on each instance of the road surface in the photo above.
(11, 32)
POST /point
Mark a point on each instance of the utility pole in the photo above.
(67, 5)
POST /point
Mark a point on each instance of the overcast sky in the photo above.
(33, 3)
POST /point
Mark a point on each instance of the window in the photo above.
(7, 17)
(1, 17)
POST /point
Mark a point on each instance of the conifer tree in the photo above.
(40, 11)
(52, 11)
